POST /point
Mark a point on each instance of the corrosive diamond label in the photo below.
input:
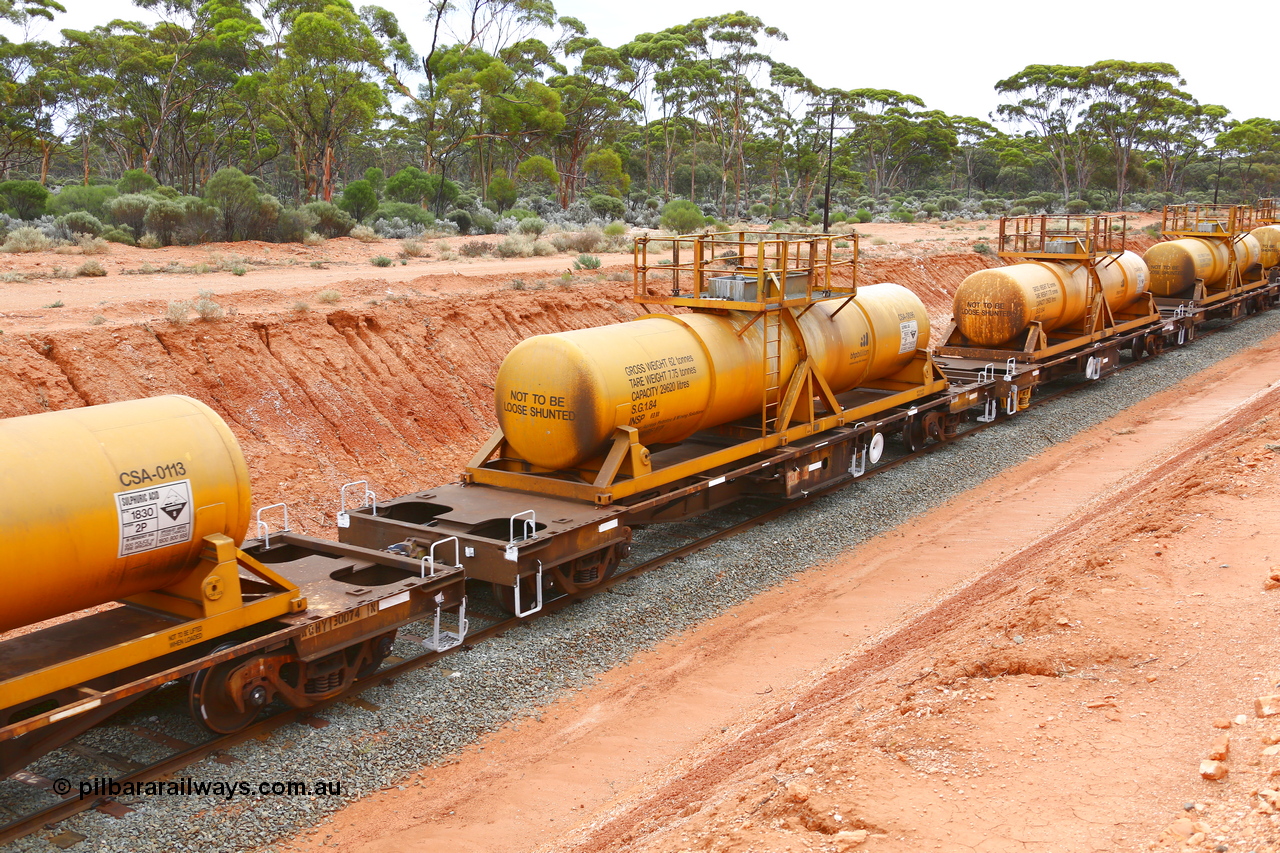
(909, 336)
(154, 517)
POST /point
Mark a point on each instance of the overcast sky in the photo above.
(948, 53)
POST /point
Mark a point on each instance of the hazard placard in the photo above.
(154, 517)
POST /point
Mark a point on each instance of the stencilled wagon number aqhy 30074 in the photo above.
(154, 517)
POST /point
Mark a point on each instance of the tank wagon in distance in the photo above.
(769, 372)
(1215, 259)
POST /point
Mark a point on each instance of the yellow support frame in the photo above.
(206, 605)
(918, 380)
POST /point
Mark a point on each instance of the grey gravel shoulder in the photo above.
(429, 715)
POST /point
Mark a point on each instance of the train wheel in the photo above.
(913, 435)
(212, 697)
(1139, 346)
(380, 647)
(1155, 345)
(590, 569)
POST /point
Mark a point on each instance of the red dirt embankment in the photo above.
(396, 390)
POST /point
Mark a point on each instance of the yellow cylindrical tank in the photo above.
(1268, 237)
(560, 397)
(1175, 265)
(110, 501)
(993, 306)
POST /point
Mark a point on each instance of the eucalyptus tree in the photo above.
(323, 89)
(1255, 143)
(728, 95)
(1185, 136)
(795, 133)
(660, 61)
(894, 140)
(1131, 102)
(162, 85)
(1053, 100)
(973, 149)
(598, 91)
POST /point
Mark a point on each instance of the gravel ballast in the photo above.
(430, 714)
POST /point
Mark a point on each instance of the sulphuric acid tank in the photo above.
(1268, 237)
(1175, 265)
(993, 306)
(109, 501)
(560, 397)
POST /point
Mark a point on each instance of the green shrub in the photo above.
(586, 262)
(1018, 210)
(150, 241)
(163, 219)
(79, 222)
(615, 229)
(26, 239)
(293, 225)
(839, 216)
(408, 212)
(235, 195)
(902, 215)
(24, 199)
(502, 190)
(89, 199)
(538, 171)
(864, 215)
(682, 216)
(982, 248)
(130, 211)
(758, 210)
(331, 220)
(607, 207)
(381, 261)
(359, 199)
(992, 206)
(930, 208)
(411, 185)
(533, 226)
(1077, 205)
(364, 234)
(949, 203)
(136, 181)
(119, 235)
(202, 221)
(482, 223)
(460, 218)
